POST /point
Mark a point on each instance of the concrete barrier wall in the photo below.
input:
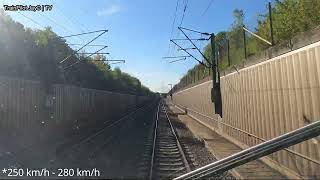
(267, 100)
(29, 106)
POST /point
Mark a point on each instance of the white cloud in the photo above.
(113, 9)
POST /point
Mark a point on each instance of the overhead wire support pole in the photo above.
(102, 32)
(189, 53)
(180, 28)
(213, 65)
(216, 89)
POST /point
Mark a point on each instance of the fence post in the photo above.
(244, 43)
(228, 48)
(271, 28)
(198, 74)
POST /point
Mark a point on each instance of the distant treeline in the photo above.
(35, 54)
(289, 18)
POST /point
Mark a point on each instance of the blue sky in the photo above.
(139, 30)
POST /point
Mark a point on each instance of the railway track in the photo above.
(168, 158)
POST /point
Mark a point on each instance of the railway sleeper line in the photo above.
(165, 156)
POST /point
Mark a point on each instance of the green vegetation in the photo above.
(289, 18)
(35, 54)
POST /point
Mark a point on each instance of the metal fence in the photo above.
(26, 105)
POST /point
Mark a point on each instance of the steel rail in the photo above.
(185, 161)
(291, 138)
(154, 143)
(183, 156)
(249, 134)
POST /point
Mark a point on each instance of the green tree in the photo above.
(35, 54)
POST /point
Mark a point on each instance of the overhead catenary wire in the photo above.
(173, 23)
(192, 48)
(84, 58)
(31, 20)
(93, 45)
(189, 53)
(171, 57)
(194, 39)
(207, 8)
(182, 59)
(195, 46)
(116, 63)
(57, 24)
(183, 15)
(91, 53)
(184, 11)
(63, 14)
(102, 32)
(34, 21)
(84, 33)
(188, 29)
(67, 30)
(71, 18)
(110, 60)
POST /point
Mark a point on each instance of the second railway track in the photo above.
(168, 158)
